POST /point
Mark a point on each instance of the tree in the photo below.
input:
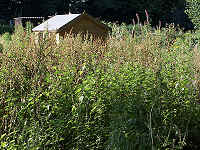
(111, 10)
(193, 11)
(5, 11)
(48, 7)
(118, 10)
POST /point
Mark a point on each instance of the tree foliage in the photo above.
(112, 10)
(126, 10)
(193, 11)
(4, 9)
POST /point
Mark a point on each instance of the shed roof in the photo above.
(57, 22)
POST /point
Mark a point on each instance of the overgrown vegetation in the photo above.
(139, 90)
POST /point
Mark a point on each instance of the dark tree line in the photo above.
(110, 10)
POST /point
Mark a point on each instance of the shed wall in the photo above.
(84, 26)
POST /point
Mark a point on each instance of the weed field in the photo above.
(137, 91)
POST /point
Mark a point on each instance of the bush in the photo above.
(6, 28)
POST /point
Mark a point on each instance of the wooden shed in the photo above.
(62, 25)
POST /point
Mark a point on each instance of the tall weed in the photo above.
(132, 92)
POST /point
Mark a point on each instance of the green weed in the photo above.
(138, 90)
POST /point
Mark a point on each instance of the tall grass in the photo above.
(133, 92)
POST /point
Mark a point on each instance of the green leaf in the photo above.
(3, 144)
(2, 136)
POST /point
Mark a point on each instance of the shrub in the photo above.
(6, 28)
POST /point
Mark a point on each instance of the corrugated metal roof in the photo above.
(56, 22)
